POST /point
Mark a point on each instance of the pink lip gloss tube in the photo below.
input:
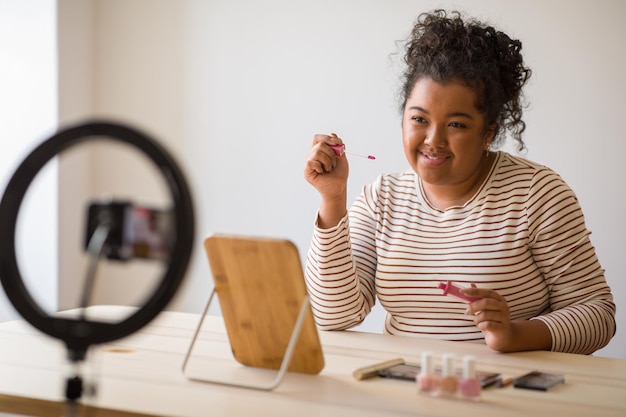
(450, 289)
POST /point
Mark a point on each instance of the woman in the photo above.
(508, 230)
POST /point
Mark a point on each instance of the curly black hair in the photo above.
(444, 48)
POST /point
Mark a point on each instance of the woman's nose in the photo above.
(435, 138)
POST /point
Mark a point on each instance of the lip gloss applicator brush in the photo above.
(340, 150)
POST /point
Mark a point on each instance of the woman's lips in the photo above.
(433, 159)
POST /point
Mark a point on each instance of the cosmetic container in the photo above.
(427, 379)
(449, 288)
(469, 386)
(449, 382)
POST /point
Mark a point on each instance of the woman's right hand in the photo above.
(324, 170)
(328, 174)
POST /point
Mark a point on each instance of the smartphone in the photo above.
(408, 372)
(133, 231)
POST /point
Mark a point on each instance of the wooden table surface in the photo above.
(142, 375)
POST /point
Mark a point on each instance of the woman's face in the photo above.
(444, 134)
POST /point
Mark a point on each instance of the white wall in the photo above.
(237, 90)
(76, 65)
(28, 108)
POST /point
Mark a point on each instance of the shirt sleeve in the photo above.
(582, 312)
(340, 268)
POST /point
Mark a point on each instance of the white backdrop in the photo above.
(28, 108)
(237, 89)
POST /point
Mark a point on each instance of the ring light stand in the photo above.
(79, 334)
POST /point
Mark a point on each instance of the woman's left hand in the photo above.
(492, 316)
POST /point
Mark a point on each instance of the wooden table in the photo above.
(142, 375)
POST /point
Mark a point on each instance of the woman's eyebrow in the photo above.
(453, 114)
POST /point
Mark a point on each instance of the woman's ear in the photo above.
(489, 135)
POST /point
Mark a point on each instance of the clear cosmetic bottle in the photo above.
(469, 385)
(449, 382)
(427, 379)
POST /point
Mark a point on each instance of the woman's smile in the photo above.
(433, 158)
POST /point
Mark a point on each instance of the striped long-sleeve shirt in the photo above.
(522, 234)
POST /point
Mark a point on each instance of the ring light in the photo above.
(79, 334)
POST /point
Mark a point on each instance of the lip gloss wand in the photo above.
(340, 150)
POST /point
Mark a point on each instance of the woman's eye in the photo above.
(419, 119)
(457, 125)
